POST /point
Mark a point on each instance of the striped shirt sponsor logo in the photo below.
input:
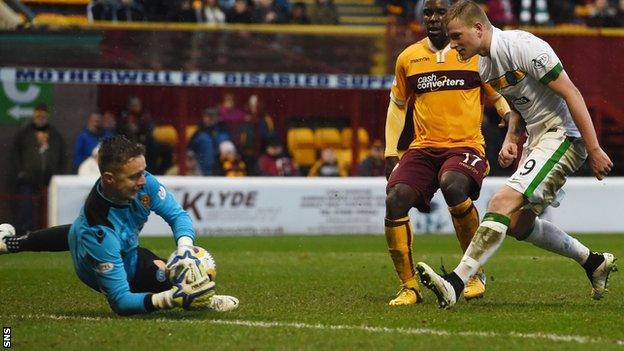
(445, 80)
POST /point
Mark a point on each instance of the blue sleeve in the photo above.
(80, 150)
(167, 207)
(223, 136)
(104, 252)
(204, 150)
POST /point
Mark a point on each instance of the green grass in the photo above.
(324, 292)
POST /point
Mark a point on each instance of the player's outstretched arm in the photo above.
(599, 162)
(395, 120)
(167, 207)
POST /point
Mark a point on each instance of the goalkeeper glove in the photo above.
(185, 243)
(184, 293)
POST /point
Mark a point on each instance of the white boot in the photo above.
(223, 303)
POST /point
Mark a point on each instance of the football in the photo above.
(199, 261)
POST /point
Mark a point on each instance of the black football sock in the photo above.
(456, 282)
(593, 261)
(52, 239)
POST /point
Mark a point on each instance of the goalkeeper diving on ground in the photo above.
(104, 240)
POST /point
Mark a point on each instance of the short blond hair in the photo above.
(468, 12)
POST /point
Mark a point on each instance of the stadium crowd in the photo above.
(229, 141)
(593, 13)
(214, 11)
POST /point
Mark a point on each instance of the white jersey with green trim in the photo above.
(520, 66)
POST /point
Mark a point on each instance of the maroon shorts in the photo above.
(422, 169)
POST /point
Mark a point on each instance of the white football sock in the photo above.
(487, 240)
(547, 236)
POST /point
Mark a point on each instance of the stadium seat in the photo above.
(344, 156)
(327, 137)
(363, 154)
(301, 145)
(300, 138)
(363, 138)
(304, 157)
(166, 134)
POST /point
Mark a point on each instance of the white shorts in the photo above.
(544, 168)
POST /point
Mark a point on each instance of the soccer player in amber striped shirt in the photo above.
(447, 150)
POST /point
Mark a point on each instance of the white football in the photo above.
(198, 262)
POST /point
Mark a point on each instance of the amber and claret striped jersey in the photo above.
(446, 91)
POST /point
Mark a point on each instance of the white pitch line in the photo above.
(370, 329)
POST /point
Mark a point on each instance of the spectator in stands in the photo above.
(138, 126)
(206, 140)
(192, 168)
(226, 5)
(399, 10)
(619, 16)
(262, 119)
(109, 123)
(231, 164)
(374, 164)
(88, 138)
(89, 167)
(38, 152)
(324, 12)
(267, 11)
(534, 12)
(101, 10)
(328, 166)
(156, 10)
(186, 11)
(239, 13)
(135, 114)
(284, 6)
(129, 11)
(563, 11)
(603, 14)
(276, 162)
(299, 14)
(500, 12)
(245, 135)
(228, 111)
(252, 134)
(212, 12)
(116, 10)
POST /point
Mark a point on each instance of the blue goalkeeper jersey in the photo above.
(104, 240)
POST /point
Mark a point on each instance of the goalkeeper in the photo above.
(103, 240)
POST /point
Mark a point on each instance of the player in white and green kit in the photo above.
(525, 70)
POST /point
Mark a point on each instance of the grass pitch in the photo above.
(324, 292)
